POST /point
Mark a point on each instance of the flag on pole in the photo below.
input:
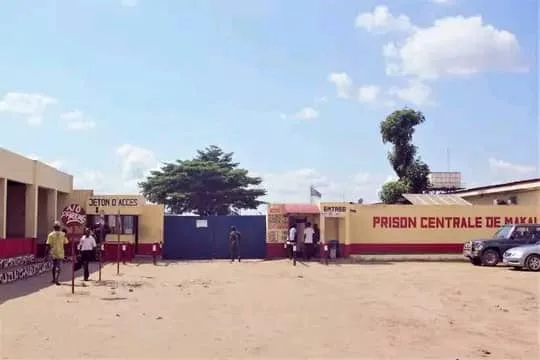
(314, 192)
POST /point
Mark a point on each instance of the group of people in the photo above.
(311, 238)
(56, 241)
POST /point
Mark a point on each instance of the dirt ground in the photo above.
(271, 309)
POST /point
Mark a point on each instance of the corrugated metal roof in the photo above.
(435, 199)
(529, 184)
(301, 209)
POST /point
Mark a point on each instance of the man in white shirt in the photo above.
(87, 244)
(308, 241)
(291, 240)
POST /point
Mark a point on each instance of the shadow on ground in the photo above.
(33, 284)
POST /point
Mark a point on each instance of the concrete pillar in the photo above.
(346, 247)
(52, 207)
(322, 227)
(347, 229)
(31, 211)
(3, 208)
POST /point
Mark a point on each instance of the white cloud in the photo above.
(416, 92)
(136, 161)
(454, 46)
(293, 186)
(307, 113)
(31, 106)
(509, 170)
(383, 21)
(128, 3)
(57, 164)
(321, 100)
(343, 84)
(368, 93)
(100, 183)
(443, 2)
(76, 120)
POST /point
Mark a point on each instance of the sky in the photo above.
(107, 90)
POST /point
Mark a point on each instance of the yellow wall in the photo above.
(524, 198)
(30, 208)
(16, 167)
(150, 216)
(27, 171)
(49, 177)
(151, 224)
(420, 224)
(29, 195)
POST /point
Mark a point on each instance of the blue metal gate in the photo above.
(200, 238)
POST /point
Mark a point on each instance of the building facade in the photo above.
(33, 195)
(372, 229)
(525, 192)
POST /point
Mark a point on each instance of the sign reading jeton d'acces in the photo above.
(113, 202)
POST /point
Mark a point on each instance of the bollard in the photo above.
(154, 254)
(326, 254)
(124, 248)
(294, 255)
(101, 250)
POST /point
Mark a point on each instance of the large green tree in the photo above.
(398, 129)
(209, 184)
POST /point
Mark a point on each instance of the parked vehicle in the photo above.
(489, 252)
(523, 257)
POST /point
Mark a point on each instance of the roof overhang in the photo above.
(500, 189)
(435, 199)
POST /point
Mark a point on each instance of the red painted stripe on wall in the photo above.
(12, 247)
(276, 250)
(403, 248)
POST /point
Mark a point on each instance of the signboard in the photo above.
(334, 211)
(73, 215)
(277, 224)
(448, 222)
(114, 202)
(201, 223)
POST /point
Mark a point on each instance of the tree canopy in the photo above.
(398, 129)
(209, 184)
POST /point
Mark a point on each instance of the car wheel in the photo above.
(476, 261)
(490, 257)
(533, 262)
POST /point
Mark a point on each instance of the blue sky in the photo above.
(106, 89)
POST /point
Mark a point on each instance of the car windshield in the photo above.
(503, 232)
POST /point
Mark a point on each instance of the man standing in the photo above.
(234, 242)
(55, 242)
(291, 240)
(87, 245)
(308, 241)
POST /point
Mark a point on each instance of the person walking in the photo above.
(291, 242)
(308, 241)
(234, 243)
(87, 245)
(56, 241)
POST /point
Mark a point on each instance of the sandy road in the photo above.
(273, 310)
